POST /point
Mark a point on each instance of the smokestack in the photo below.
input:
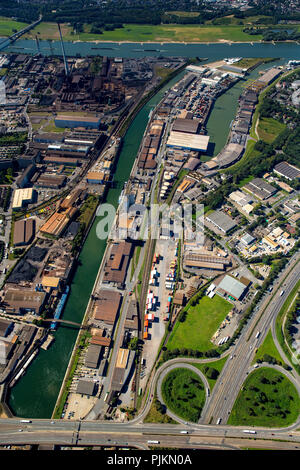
(67, 72)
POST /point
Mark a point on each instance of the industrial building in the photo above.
(97, 177)
(231, 287)
(24, 231)
(190, 126)
(71, 121)
(58, 221)
(269, 76)
(107, 306)
(115, 269)
(286, 170)
(86, 387)
(206, 261)
(19, 301)
(188, 141)
(222, 221)
(240, 198)
(93, 355)
(22, 197)
(260, 188)
(50, 181)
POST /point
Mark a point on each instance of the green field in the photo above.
(218, 365)
(8, 26)
(150, 33)
(268, 129)
(201, 322)
(274, 403)
(156, 416)
(268, 347)
(184, 393)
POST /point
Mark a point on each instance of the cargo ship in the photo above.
(60, 307)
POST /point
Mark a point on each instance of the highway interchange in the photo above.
(200, 435)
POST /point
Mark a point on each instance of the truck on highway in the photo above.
(257, 334)
(248, 431)
(219, 420)
(183, 432)
(153, 442)
(281, 293)
(25, 421)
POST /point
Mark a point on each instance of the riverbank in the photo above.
(171, 32)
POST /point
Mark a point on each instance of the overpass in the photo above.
(20, 33)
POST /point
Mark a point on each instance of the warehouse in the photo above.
(86, 387)
(115, 269)
(50, 181)
(93, 355)
(56, 159)
(58, 221)
(17, 301)
(107, 305)
(287, 171)
(231, 287)
(190, 126)
(24, 231)
(77, 121)
(199, 261)
(188, 141)
(269, 76)
(97, 177)
(72, 198)
(22, 197)
(49, 138)
(260, 188)
(222, 221)
(240, 198)
(101, 340)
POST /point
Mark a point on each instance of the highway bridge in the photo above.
(20, 33)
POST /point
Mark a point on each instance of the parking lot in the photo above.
(166, 250)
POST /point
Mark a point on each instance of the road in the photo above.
(109, 433)
(236, 369)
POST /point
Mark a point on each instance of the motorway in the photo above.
(236, 369)
(107, 433)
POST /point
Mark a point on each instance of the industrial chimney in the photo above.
(67, 71)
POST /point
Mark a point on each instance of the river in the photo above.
(210, 51)
(36, 392)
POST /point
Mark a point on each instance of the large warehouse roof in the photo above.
(232, 287)
(186, 125)
(21, 196)
(221, 220)
(187, 140)
(288, 171)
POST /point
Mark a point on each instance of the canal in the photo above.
(36, 392)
